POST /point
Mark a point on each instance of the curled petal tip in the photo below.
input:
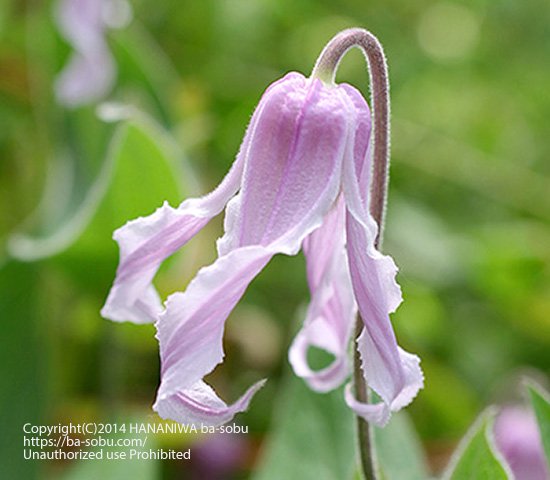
(413, 383)
(378, 413)
(199, 405)
(147, 241)
(396, 391)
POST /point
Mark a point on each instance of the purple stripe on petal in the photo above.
(366, 275)
(392, 373)
(361, 144)
(307, 145)
(199, 405)
(190, 333)
(145, 242)
(292, 173)
(174, 227)
(190, 330)
(320, 246)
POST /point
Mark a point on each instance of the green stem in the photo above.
(325, 69)
(365, 433)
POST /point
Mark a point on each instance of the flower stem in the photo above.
(365, 433)
(325, 69)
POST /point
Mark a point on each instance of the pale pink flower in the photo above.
(90, 72)
(517, 437)
(300, 180)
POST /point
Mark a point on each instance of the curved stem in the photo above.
(325, 69)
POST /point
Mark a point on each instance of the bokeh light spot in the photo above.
(448, 31)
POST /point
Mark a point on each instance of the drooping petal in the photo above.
(321, 246)
(292, 172)
(396, 380)
(331, 312)
(90, 72)
(199, 405)
(361, 142)
(377, 413)
(190, 333)
(145, 242)
(86, 78)
(291, 179)
(392, 373)
(82, 23)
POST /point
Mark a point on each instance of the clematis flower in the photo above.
(218, 456)
(90, 73)
(518, 439)
(300, 181)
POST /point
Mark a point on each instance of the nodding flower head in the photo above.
(90, 72)
(300, 181)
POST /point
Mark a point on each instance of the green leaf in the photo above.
(313, 436)
(144, 67)
(142, 175)
(541, 406)
(475, 456)
(4, 4)
(23, 365)
(140, 172)
(399, 451)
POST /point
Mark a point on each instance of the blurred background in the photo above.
(467, 218)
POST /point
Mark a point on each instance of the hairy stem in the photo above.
(325, 69)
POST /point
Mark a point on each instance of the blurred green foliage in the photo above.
(477, 459)
(467, 217)
(541, 407)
